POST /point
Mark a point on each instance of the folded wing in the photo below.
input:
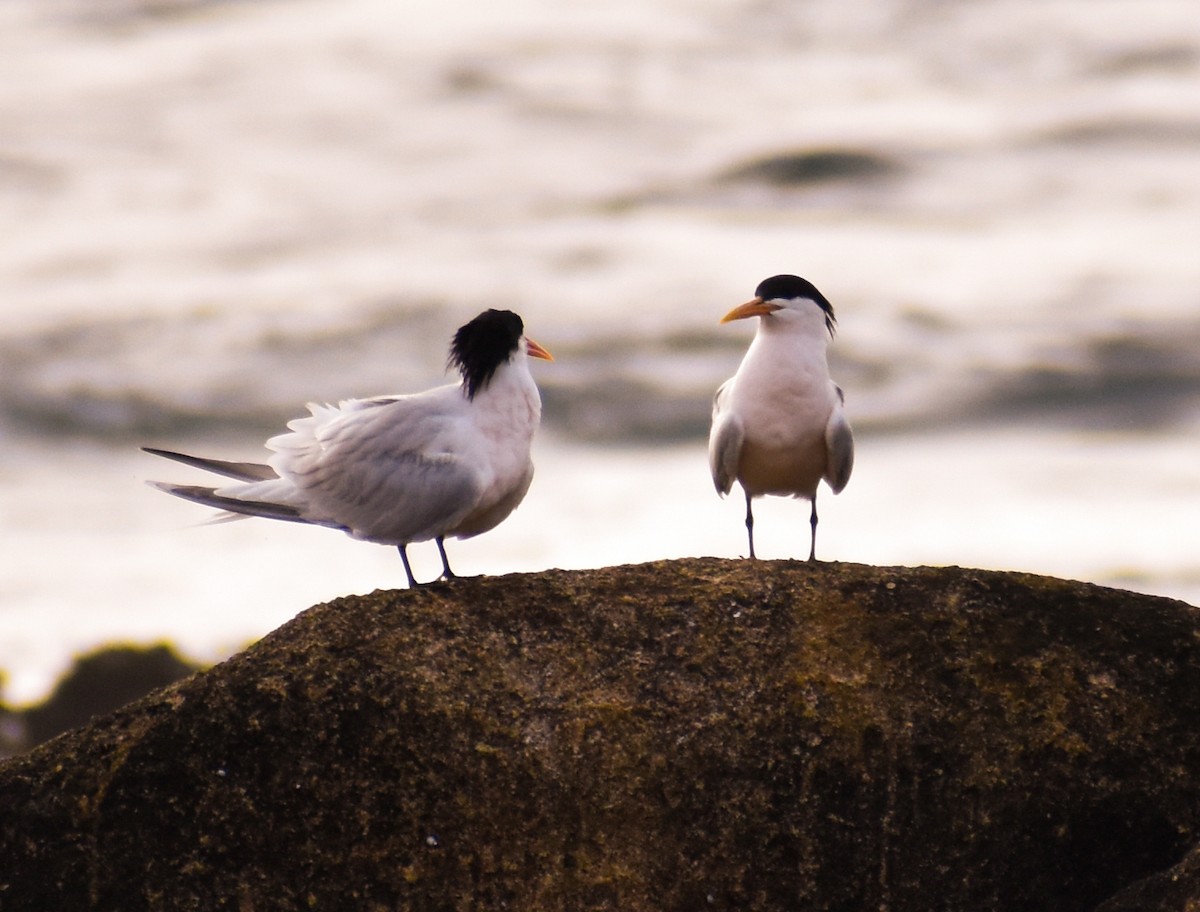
(839, 446)
(724, 441)
(388, 470)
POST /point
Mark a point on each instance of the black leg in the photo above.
(750, 525)
(447, 573)
(412, 581)
(812, 521)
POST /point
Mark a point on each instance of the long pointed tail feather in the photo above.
(242, 471)
(210, 498)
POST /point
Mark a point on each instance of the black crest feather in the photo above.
(787, 287)
(481, 346)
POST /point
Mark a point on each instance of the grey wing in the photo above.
(839, 446)
(724, 441)
(393, 475)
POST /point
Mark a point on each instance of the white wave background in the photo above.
(197, 195)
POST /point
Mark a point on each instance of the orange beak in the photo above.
(536, 351)
(756, 308)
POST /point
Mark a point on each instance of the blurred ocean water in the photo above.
(213, 212)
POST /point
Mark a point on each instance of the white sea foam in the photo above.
(213, 212)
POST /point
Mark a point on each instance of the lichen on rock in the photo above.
(683, 735)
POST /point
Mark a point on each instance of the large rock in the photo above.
(685, 735)
(101, 681)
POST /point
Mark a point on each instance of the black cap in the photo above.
(788, 287)
(481, 346)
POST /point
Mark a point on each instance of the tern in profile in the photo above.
(778, 426)
(450, 461)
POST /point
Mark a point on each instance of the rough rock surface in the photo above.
(685, 735)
